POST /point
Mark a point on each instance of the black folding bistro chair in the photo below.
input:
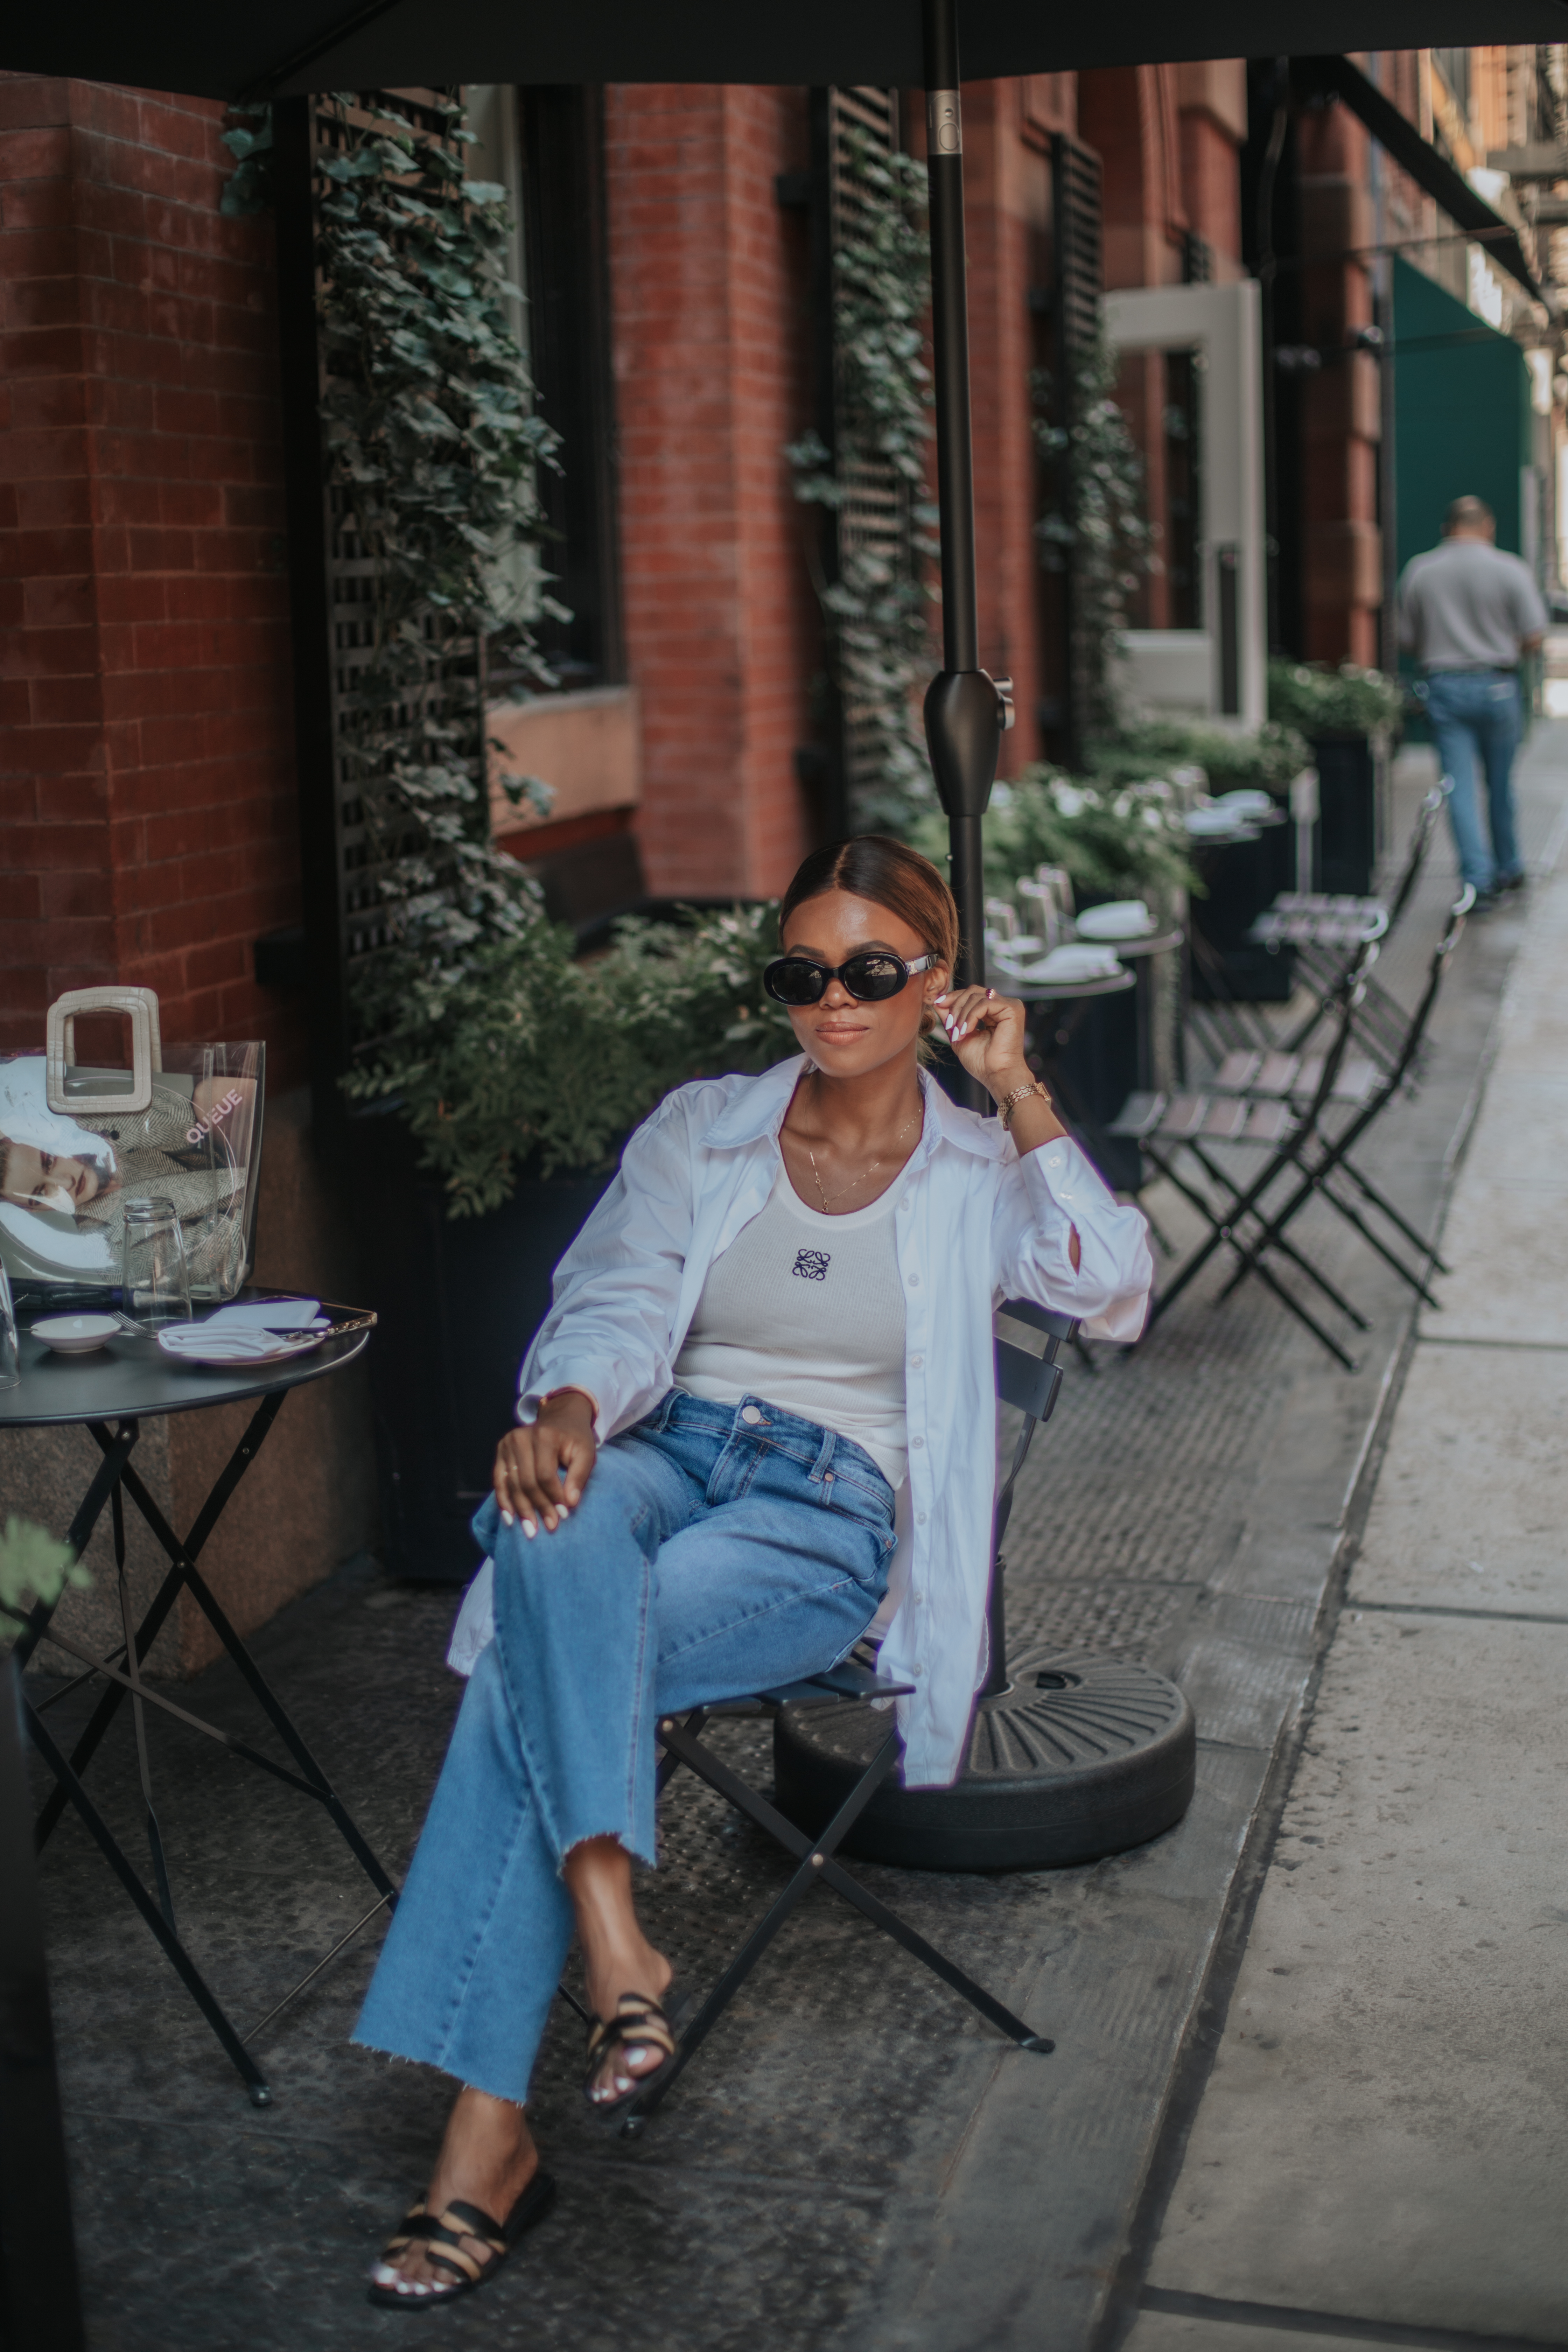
(1030, 1383)
(1288, 1103)
(1324, 933)
(1163, 1126)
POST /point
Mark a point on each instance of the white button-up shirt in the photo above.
(977, 1224)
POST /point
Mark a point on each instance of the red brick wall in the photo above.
(1341, 420)
(1211, 186)
(147, 764)
(1128, 114)
(711, 352)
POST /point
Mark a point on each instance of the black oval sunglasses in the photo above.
(871, 977)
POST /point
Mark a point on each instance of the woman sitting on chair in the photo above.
(769, 1358)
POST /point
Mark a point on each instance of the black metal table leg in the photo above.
(116, 1478)
(116, 1454)
(184, 1966)
(182, 1557)
(133, 1671)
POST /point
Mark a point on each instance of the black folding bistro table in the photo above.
(111, 1392)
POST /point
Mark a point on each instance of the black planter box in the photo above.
(1241, 880)
(1346, 846)
(459, 1300)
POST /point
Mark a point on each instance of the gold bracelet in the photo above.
(1009, 1103)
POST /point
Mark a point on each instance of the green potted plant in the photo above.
(1116, 840)
(498, 1094)
(1350, 716)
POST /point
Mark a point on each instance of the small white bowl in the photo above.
(76, 1335)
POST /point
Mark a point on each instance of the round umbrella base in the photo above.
(1082, 1755)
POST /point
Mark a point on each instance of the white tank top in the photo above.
(807, 1313)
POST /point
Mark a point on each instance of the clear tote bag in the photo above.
(77, 1142)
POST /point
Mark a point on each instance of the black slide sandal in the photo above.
(639, 2023)
(446, 2232)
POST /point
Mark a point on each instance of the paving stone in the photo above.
(1159, 2331)
(1472, 1499)
(1382, 2134)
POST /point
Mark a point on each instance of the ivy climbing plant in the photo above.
(877, 607)
(1095, 522)
(433, 442)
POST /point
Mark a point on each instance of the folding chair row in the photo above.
(1269, 1082)
(1030, 1383)
(1333, 926)
(1304, 1146)
(1323, 931)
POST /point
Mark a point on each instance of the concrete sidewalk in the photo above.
(856, 2163)
(1380, 2144)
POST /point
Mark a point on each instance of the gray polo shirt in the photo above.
(1466, 604)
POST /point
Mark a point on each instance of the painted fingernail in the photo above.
(506, 1519)
(529, 1529)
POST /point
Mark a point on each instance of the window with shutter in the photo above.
(875, 514)
(1077, 212)
(544, 147)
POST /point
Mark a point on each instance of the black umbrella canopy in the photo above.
(294, 46)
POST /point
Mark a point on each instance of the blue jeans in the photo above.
(1476, 712)
(709, 1558)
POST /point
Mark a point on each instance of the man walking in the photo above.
(1469, 612)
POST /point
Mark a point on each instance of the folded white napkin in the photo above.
(258, 1326)
(269, 1314)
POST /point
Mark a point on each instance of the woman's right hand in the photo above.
(531, 1463)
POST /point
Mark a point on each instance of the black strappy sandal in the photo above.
(446, 2232)
(638, 2023)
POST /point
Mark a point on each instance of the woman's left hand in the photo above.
(986, 1033)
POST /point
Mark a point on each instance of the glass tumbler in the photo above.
(10, 1353)
(157, 1279)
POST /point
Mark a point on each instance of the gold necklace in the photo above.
(865, 1175)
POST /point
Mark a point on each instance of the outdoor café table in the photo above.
(1074, 997)
(1079, 994)
(1140, 954)
(129, 1380)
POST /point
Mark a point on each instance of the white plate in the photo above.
(1124, 918)
(76, 1335)
(232, 1352)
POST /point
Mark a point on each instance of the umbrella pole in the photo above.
(1007, 1809)
(965, 711)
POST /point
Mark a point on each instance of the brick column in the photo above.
(148, 774)
(1342, 422)
(712, 356)
(1007, 199)
(1211, 100)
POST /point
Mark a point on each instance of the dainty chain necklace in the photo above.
(866, 1174)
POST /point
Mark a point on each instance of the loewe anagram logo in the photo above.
(812, 1264)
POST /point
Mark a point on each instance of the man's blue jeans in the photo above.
(709, 1556)
(1475, 717)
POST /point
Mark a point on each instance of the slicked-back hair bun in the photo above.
(890, 874)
